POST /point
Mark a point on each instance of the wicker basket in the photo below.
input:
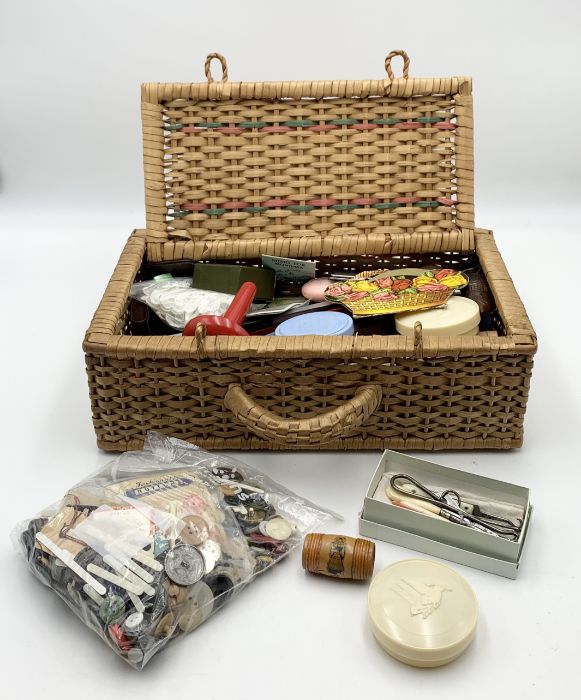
(357, 175)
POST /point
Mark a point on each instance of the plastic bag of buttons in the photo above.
(175, 301)
(145, 550)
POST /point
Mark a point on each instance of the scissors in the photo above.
(449, 504)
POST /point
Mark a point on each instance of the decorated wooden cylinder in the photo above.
(338, 556)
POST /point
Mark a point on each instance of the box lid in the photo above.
(382, 160)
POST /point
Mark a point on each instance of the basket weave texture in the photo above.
(299, 159)
(357, 175)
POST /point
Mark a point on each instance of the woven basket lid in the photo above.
(389, 159)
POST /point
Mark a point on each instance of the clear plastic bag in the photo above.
(176, 302)
(149, 547)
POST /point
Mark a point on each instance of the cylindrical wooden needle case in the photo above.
(338, 556)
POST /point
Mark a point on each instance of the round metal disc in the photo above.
(184, 564)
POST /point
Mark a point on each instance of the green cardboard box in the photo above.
(229, 278)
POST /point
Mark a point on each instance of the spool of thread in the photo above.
(338, 556)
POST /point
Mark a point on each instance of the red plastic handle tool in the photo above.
(230, 322)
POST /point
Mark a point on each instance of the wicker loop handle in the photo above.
(200, 335)
(418, 341)
(222, 63)
(406, 63)
(321, 429)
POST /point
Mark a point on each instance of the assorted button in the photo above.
(184, 564)
(211, 544)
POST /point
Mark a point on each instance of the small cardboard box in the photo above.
(381, 520)
(229, 278)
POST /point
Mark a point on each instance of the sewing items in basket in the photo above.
(175, 301)
(338, 304)
(148, 548)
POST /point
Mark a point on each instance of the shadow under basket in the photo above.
(312, 392)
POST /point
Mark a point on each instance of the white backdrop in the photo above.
(70, 193)
(71, 73)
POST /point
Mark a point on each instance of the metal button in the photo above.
(184, 564)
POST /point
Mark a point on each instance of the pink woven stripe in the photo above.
(445, 125)
(275, 129)
(408, 125)
(195, 206)
(446, 201)
(322, 202)
(365, 201)
(322, 127)
(230, 130)
(278, 203)
(192, 130)
(406, 200)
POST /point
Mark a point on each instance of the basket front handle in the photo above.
(325, 427)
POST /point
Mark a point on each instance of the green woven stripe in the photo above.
(344, 122)
(386, 205)
(180, 213)
(428, 120)
(215, 212)
(299, 122)
(344, 207)
(387, 122)
(300, 207)
(426, 204)
(173, 127)
(210, 125)
(252, 125)
(254, 210)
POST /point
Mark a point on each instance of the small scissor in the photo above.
(450, 502)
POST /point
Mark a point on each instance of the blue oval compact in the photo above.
(317, 323)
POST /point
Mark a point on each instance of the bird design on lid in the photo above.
(424, 598)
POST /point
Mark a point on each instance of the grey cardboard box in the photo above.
(438, 537)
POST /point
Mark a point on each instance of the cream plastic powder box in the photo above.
(382, 520)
